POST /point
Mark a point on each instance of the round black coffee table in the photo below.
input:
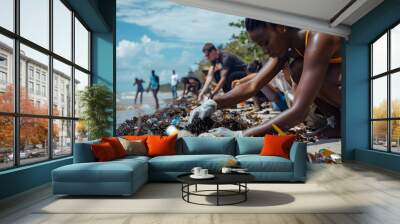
(238, 179)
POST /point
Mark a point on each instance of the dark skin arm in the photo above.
(250, 88)
(316, 62)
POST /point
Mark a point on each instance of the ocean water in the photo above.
(148, 106)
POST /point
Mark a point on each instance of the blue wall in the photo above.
(24, 178)
(356, 84)
(99, 15)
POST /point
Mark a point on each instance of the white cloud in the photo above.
(175, 21)
(137, 59)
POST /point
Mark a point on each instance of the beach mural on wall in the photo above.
(211, 74)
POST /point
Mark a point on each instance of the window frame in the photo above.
(15, 71)
(388, 74)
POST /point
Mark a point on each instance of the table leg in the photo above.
(196, 187)
(245, 193)
(217, 194)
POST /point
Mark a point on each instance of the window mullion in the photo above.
(73, 82)
(389, 105)
(50, 81)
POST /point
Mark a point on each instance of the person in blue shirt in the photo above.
(154, 86)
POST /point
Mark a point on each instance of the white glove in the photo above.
(206, 109)
(225, 132)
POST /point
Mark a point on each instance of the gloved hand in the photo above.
(206, 109)
(225, 132)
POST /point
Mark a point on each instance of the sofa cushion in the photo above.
(103, 152)
(206, 145)
(135, 147)
(112, 171)
(185, 163)
(116, 145)
(275, 145)
(249, 145)
(257, 163)
(161, 145)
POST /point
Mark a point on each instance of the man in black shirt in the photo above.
(226, 68)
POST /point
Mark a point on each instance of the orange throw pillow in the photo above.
(161, 145)
(116, 145)
(277, 145)
(136, 137)
(103, 152)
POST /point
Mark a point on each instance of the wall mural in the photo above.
(213, 74)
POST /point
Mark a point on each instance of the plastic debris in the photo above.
(324, 155)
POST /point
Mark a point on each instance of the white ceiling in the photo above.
(318, 15)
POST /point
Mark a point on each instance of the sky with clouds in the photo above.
(163, 35)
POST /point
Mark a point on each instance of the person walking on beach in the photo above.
(139, 89)
(174, 85)
(226, 68)
(314, 61)
(154, 86)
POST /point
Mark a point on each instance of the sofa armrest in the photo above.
(298, 155)
(83, 152)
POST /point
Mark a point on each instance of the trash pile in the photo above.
(324, 156)
(177, 115)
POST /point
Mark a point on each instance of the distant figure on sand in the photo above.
(174, 84)
(139, 89)
(154, 85)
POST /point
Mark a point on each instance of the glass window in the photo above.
(6, 73)
(395, 136)
(7, 14)
(379, 98)
(81, 45)
(62, 29)
(379, 135)
(30, 71)
(81, 131)
(31, 88)
(395, 95)
(33, 139)
(62, 72)
(395, 47)
(35, 21)
(6, 142)
(40, 62)
(385, 125)
(34, 80)
(62, 138)
(379, 56)
(81, 82)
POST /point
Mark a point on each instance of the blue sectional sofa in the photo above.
(125, 176)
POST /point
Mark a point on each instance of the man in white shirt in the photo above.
(174, 84)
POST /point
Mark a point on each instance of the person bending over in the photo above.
(315, 69)
(190, 85)
(226, 68)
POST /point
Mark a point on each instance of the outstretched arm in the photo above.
(316, 62)
(207, 82)
(221, 82)
(250, 88)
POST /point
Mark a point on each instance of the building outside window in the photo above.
(30, 72)
(385, 92)
(34, 78)
(30, 87)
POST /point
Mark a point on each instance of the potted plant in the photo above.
(96, 103)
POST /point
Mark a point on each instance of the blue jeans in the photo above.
(174, 93)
